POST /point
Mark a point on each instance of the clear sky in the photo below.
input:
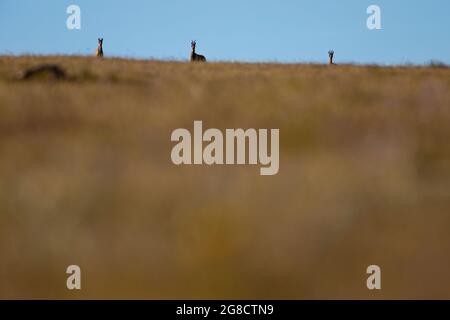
(244, 30)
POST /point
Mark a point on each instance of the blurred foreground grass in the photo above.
(86, 179)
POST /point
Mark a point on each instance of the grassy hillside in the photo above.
(86, 178)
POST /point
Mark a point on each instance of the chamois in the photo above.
(100, 48)
(195, 56)
(330, 56)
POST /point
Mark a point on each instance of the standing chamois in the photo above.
(194, 56)
(330, 56)
(100, 48)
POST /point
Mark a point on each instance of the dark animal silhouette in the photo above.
(100, 48)
(194, 56)
(330, 56)
(51, 71)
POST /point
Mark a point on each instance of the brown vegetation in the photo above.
(86, 178)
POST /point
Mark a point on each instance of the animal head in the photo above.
(100, 42)
(193, 44)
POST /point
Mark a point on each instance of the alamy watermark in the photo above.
(374, 20)
(221, 147)
(374, 280)
(74, 279)
(73, 21)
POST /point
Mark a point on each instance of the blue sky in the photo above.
(243, 30)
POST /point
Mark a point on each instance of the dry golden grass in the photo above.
(86, 178)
